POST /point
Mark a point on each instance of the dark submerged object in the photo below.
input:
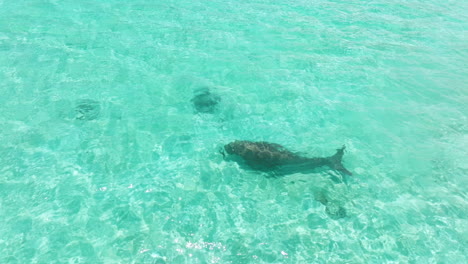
(271, 157)
(333, 210)
(87, 109)
(205, 101)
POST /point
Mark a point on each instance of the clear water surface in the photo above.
(104, 160)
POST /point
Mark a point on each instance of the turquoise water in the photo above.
(135, 176)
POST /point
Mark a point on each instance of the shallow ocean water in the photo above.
(103, 158)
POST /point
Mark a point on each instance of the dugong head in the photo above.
(235, 147)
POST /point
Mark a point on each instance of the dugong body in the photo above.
(271, 157)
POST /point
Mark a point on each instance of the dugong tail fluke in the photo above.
(335, 161)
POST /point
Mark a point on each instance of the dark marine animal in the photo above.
(274, 158)
(87, 109)
(204, 101)
(332, 209)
